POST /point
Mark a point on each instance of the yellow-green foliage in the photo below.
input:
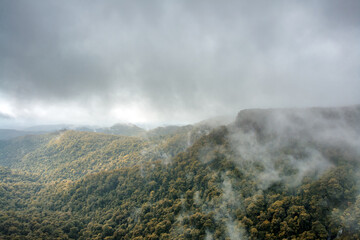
(98, 186)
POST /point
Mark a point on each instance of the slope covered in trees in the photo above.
(272, 174)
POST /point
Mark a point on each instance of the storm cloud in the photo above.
(174, 61)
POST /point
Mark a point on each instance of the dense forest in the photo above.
(270, 174)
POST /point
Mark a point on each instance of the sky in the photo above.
(173, 62)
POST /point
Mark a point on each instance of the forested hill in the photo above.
(271, 174)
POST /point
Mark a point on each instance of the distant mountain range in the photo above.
(11, 133)
(117, 129)
(125, 129)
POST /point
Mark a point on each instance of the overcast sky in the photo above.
(101, 62)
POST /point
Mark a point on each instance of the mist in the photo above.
(294, 141)
(277, 150)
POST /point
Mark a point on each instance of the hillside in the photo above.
(271, 174)
(12, 151)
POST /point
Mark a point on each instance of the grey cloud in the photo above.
(181, 56)
(5, 116)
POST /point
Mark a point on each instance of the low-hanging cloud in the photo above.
(290, 144)
(186, 60)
